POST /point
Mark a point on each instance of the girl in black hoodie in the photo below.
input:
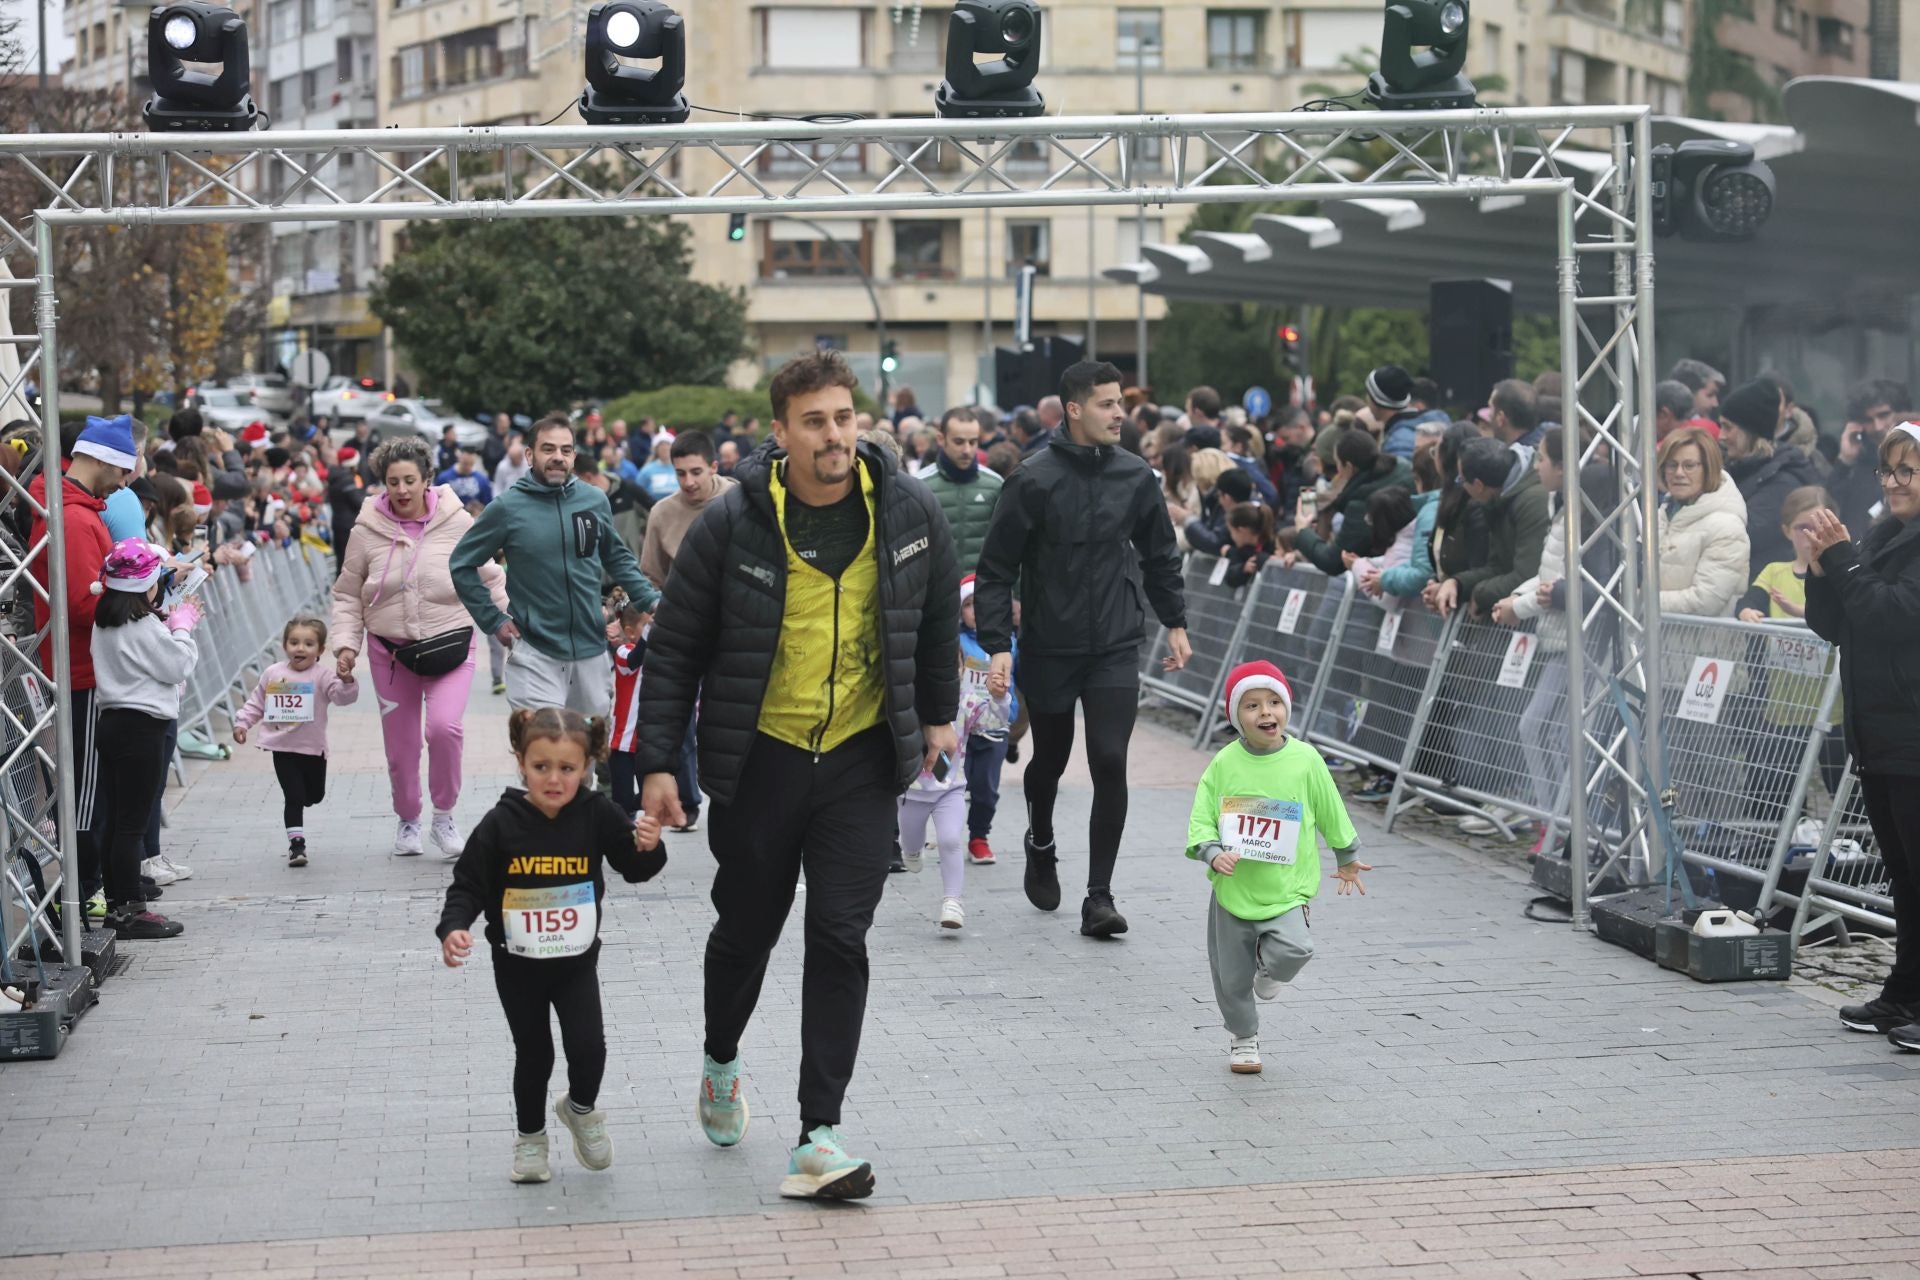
(533, 867)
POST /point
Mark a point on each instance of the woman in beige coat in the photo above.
(1703, 529)
(395, 590)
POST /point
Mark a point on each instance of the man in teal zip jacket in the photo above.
(558, 536)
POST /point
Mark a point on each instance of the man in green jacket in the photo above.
(1517, 531)
(968, 492)
(558, 536)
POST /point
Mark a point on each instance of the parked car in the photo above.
(427, 418)
(270, 391)
(345, 398)
(226, 408)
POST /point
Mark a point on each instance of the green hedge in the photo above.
(678, 407)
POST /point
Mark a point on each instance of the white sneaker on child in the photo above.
(1264, 987)
(952, 914)
(406, 841)
(447, 836)
(529, 1152)
(1243, 1056)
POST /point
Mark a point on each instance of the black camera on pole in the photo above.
(618, 93)
(187, 101)
(1000, 87)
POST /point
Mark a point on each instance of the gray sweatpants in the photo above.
(1236, 948)
(536, 680)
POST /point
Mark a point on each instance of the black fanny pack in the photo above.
(435, 655)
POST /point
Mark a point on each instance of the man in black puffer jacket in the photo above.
(1082, 528)
(814, 611)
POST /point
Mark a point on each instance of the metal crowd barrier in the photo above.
(240, 635)
(1475, 716)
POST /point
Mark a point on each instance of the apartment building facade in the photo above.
(1786, 39)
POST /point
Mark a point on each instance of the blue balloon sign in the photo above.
(1257, 402)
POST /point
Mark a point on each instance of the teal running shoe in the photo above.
(723, 1102)
(818, 1169)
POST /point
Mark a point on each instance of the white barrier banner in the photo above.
(1290, 612)
(1514, 667)
(1389, 632)
(1706, 690)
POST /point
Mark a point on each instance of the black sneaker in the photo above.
(1378, 789)
(1878, 1015)
(142, 925)
(1013, 752)
(1099, 918)
(297, 852)
(148, 887)
(1907, 1037)
(899, 864)
(1043, 877)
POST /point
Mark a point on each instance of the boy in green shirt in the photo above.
(1260, 804)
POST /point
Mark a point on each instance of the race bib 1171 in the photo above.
(1261, 829)
(550, 923)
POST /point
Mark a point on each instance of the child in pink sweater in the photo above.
(293, 697)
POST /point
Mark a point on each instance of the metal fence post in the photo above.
(1428, 694)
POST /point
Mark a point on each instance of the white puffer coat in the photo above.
(1703, 554)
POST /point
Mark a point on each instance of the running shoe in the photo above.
(1043, 876)
(952, 914)
(97, 905)
(1266, 988)
(1906, 1038)
(406, 841)
(723, 1102)
(980, 853)
(297, 852)
(143, 925)
(913, 859)
(150, 888)
(499, 687)
(1378, 789)
(530, 1158)
(1243, 1056)
(1488, 824)
(156, 872)
(181, 871)
(591, 1145)
(819, 1169)
(1099, 918)
(691, 825)
(447, 836)
(1878, 1015)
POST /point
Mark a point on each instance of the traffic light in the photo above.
(889, 356)
(1289, 336)
(736, 227)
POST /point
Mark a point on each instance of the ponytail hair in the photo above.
(529, 725)
(1255, 516)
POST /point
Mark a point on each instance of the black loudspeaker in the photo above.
(1469, 340)
(1028, 377)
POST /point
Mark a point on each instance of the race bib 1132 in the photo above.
(550, 923)
(289, 701)
(1261, 829)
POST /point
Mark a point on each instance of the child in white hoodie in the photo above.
(141, 656)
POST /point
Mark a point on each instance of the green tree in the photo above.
(538, 313)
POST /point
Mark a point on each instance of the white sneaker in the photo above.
(913, 858)
(591, 1145)
(180, 870)
(157, 872)
(447, 836)
(406, 844)
(1474, 825)
(1243, 1056)
(529, 1151)
(1266, 988)
(952, 914)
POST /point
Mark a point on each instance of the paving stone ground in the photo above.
(299, 1082)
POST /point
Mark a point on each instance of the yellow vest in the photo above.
(829, 675)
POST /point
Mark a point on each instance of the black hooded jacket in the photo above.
(720, 620)
(1866, 599)
(1083, 531)
(1764, 484)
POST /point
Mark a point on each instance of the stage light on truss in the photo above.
(1710, 190)
(186, 99)
(1422, 50)
(618, 92)
(1001, 86)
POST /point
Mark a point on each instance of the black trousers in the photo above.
(624, 769)
(167, 750)
(86, 793)
(133, 769)
(1107, 687)
(1893, 809)
(838, 816)
(571, 988)
(303, 782)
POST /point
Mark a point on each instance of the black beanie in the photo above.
(1754, 408)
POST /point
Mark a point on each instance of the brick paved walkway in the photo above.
(1828, 1216)
(300, 1068)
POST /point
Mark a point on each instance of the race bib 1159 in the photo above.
(1261, 829)
(550, 923)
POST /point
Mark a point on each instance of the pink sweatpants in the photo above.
(402, 697)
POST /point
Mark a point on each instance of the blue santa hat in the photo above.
(110, 440)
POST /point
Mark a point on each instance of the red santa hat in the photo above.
(1249, 676)
(347, 453)
(966, 588)
(254, 433)
(202, 500)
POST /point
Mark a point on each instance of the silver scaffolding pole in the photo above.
(640, 172)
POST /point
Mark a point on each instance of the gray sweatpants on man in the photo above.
(1279, 948)
(536, 680)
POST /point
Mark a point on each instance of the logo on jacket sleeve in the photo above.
(907, 552)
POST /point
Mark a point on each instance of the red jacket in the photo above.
(86, 551)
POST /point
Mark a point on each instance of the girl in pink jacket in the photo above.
(293, 697)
